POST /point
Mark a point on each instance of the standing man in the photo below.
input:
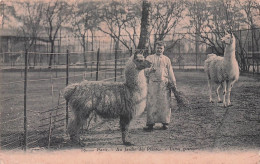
(159, 76)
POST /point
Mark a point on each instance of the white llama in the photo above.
(223, 70)
(123, 100)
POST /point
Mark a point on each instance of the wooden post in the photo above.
(97, 68)
(56, 67)
(52, 91)
(196, 48)
(179, 48)
(252, 49)
(131, 51)
(121, 63)
(115, 64)
(25, 98)
(116, 49)
(91, 70)
(67, 82)
(50, 131)
(105, 69)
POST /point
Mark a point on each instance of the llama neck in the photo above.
(135, 80)
(229, 53)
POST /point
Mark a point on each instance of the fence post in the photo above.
(25, 98)
(116, 48)
(97, 68)
(91, 69)
(253, 49)
(67, 82)
(131, 51)
(196, 48)
(50, 131)
(179, 50)
(121, 63)
(105, 69)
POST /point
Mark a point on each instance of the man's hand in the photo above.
(172, 85)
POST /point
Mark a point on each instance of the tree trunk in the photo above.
(84, 54)
(145, 27)
(51, 55)
(35, 55)
(92, 40)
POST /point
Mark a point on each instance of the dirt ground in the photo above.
(205, 126)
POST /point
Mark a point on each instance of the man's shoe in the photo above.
(164, 127)
(148, 128)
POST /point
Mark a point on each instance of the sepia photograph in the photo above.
(130, 81)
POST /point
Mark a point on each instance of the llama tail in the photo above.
(211, 55)
(69, 90)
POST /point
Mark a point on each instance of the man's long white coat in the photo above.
(158, 98)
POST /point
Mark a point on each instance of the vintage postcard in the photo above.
(130, 81)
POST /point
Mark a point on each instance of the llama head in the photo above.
(140, 61)
(228, 38)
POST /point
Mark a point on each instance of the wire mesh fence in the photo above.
(46, 108)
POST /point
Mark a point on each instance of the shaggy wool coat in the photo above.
(159, 95)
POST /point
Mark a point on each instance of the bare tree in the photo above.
(235, 18)
(202, 20)
(7, 12)
(198, 12)
(114, 16)
(56, 13)
(252, 13)
(145, 26)
(85, 18)
(31, 26)
(212, 19)
(166, 15)
(133, 23)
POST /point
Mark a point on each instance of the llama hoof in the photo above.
(74, 140)
(82, 144)
(220, 101)
(148, 129)
(128, 144)
(78, 143)
(164, 127)
(211, 101)
(230, 105)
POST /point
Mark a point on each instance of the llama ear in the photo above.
(135, 54)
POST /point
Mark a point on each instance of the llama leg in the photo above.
(124, 124)
(210, 90)
(229, 87)
(220, 86)
(224, 93)
(74, 129)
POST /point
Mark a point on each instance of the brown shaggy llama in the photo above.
(124, 100)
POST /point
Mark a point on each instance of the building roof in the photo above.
(8, 32)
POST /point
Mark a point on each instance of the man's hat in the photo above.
(160, 43)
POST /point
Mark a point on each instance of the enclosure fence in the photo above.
(186, 50)
(34, 113)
